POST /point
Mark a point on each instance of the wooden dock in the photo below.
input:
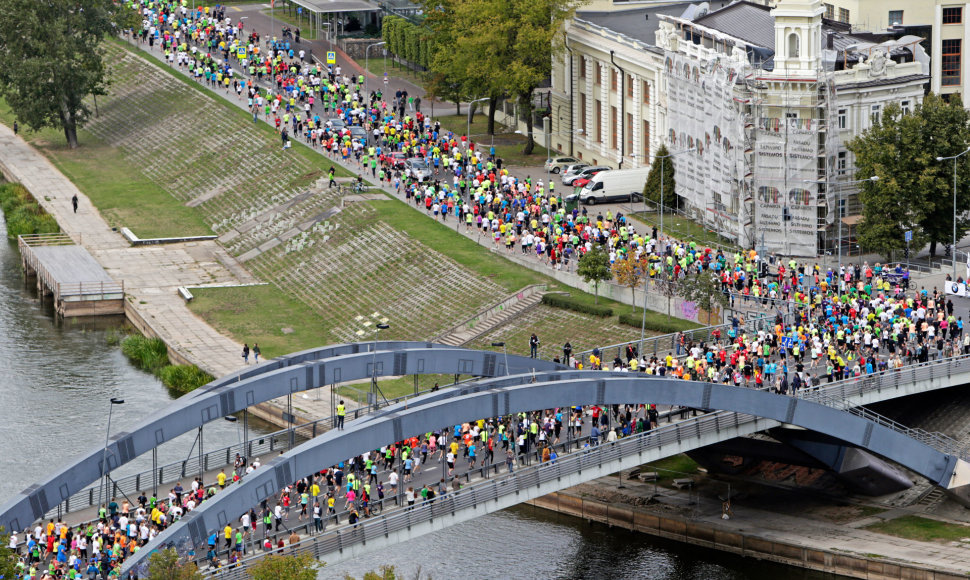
(70, 275)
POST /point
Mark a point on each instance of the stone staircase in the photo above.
(493, 317)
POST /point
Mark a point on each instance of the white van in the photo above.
(616, 185)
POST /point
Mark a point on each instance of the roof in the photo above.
(325, 6)
(885, 81)
(637, 23)
(751, 23)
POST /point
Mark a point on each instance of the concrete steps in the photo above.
(494, 320)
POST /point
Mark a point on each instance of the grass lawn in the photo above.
(508, 144)
(683, 228)
(307, 30)
(259, 314)
(375, 64)
(399, 387)
(671, 468)
(921, 529)
(122, 193)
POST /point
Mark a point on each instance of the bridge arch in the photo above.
(366, 434)
(294, 373)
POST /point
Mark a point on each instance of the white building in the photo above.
(767, 98)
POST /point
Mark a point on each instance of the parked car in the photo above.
(574, 168)
(358, 132)
(584, 172)
(419, 168)
(557, 164)
(337, 123)
(619, 185)
(398, 159)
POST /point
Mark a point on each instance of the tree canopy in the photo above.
(594, 266)
(285, 567)
(914, 191)
(166, 565)
(51, 58)
(651, 189)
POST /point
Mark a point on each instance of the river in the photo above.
(59, 377)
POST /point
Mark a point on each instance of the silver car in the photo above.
(574, 168)
(584, 172)
(359, 133)
(420, 169)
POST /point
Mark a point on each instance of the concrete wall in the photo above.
(708, 535)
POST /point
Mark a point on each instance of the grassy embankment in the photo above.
(151, 355)
(23, 214)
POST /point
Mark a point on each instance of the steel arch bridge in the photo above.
(502, 397)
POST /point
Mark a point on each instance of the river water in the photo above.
(56, 379)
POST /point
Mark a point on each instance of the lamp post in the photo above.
(838, 205)
(104, 455)
(506, 353)
(471, 110)
(373, 385)
(953, 253)
(367, 60)
(664, 157)
(235, 421)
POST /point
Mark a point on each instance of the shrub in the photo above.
(569, 303)
(657, 322)
(23, 214)
(148, 354)
(183, 378)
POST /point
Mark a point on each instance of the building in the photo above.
(764, 98)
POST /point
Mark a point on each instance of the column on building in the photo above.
(964, 61)
(636, 108)
(936, 63)
(604, 98)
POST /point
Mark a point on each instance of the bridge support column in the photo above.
(959, 485)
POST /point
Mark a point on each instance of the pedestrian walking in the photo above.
(245, 353)
(74, 202)
(533, 346)
(256, 352)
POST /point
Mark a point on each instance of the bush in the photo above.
(569, 303)
(657, 322)
(148, 354)
(183, 378)
(23, 214)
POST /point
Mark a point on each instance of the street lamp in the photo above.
(373, 391)
(838, 205)
(367, 60)
(104, 455)
(954, 252)
(664, 157)
(506, 353)
(233, 419)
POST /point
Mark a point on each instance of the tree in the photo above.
(630, 272)
(166, 565)
(665, 285)
(51, 58)
(704, 289)
(285, 567)
(8, 560)
(662, 162)
(594, 266)
(914, 191)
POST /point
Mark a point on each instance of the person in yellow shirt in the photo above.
(221, 478)
(227, 532)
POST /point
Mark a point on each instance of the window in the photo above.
(629, 86)
(840, 164)
(875, 110)
(843, 206)
(646, 93)
(582, 67)
(843, 118)
(953, 15)
(599, 74)
(793, 45)
(791, 115)
(613, 131)
(829, 11)
(598, 112)
(951, 62)
(582, 114)
(895, 17)
(628, 134)
(614, 80)
(904, 106)
(843, 15)
(645, 141)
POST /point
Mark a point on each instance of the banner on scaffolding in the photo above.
(786, 207)
(702, 115)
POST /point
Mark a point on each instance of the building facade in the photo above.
(763, 100)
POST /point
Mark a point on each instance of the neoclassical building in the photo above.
(764, 98)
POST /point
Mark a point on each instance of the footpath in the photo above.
(765, 523)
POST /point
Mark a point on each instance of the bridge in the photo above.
(747, 411)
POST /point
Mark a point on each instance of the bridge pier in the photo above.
(958, 487)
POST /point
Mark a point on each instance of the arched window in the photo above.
(793, 45)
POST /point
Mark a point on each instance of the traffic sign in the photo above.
(787, 342)
(909, 236)
(385, 78)
(331, 57)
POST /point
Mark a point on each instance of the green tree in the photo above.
(914, 191)
(704, 289)
(166, 565)
(651, 189)
(51, 58)
(594, 266)
(285, 567)
(8, 560)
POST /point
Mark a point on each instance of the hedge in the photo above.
(655, 323)
(569, 303)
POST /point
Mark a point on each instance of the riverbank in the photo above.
(765, 524)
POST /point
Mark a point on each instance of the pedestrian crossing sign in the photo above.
(331, 57)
